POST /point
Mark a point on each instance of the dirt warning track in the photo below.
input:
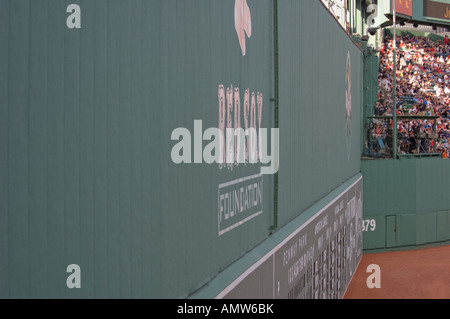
(418, 274)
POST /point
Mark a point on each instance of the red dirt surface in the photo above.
(420, 274)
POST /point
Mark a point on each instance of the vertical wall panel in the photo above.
(87, 111)
(4, 94)
(124, 142)
(72, 95)
(431, 227)
(38, 149)
(441, 229)
(421, 229)
(406, 225)
(313, 69)
(55, 152)
(18, 149)
(100, 218)
(391, 231)
(136, 147)
(448, 225)
(113, 152)
(154, 60)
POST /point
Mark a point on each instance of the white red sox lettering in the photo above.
(239, 139)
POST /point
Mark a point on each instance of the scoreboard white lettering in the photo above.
(316, 261)
(320, 259)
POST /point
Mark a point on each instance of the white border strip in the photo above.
(235, 283)
(238, 181)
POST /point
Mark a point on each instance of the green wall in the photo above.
(317, 157)
(86, 117)
(316, 153)
(409, 201)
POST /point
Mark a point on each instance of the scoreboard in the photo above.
(317, 260)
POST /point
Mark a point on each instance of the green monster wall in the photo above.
(316, 148)
(87, 122)
(87, 117)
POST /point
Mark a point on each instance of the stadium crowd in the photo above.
(423, 90)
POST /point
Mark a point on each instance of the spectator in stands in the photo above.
(423, 88)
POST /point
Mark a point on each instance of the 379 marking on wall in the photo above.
(369, 225)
